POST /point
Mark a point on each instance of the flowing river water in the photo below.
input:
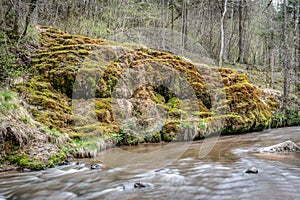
(218, 175)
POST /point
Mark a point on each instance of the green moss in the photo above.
(157, 98)
(89, 128)
(244, 100)
(174, 103)
(23, 160)
(153, 136)
(202, 114)
(98, 130)
(169, 131)
(52, 108)
(104, 103)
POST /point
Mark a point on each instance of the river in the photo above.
(218, 175)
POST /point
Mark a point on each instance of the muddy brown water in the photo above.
(218, 175)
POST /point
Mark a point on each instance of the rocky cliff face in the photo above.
(103, 93)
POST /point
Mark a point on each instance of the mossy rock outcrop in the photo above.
(92, 88)
(247, 105)
(25, 143)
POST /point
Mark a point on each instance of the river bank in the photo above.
(86, 95)
(72, 161)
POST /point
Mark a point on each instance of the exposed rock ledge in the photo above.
(287, 146)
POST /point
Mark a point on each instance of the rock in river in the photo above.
(141, 185)
(97, 166)
(287, 146)
(252, 170)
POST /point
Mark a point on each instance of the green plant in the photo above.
(186, 124)
(23, 160)
(56, 159)
(292, 117)
(67, 149)
(8, 61)
(7, 95)
(202, 125)
(25, 119)
(53, 132)
(6, 107)
(118, 137)
(278, 119)
(87, 142)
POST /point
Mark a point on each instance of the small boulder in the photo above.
(96, 166)
(141, 185)
(252, 170)
(287, 146)
(66, 162)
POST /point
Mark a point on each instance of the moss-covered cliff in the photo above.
(80, 86)
(25, 142)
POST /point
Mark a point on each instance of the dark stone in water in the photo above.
(81, 163)
(97, 166)
(66, 162)
(141, 185)
(252, 170)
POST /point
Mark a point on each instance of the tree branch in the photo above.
(271, 1)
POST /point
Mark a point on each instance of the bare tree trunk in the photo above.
(231, 33)
(90, 11)
(30, 11)
(240, 58)
(298, 74)
(1, 11)
(163, 34)
(295, 59)
(285, 63)
(210, 21)
(56, 13)
(222, 35)
(266, 49)
(297, 53)
(272, 65)
(172, 15)
(17, 16)
(184, 24)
